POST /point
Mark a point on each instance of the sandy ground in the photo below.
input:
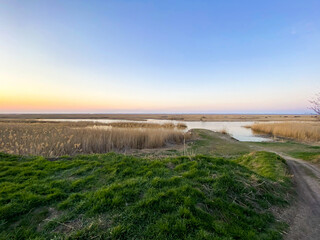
(304, 216)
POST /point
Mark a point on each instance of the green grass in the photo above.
(217, 144)
(308, 156)
(294, 149)
(113, 196)
(268, 165)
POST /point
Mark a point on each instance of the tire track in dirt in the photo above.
(304, 215)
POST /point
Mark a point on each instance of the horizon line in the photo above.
(155, 113)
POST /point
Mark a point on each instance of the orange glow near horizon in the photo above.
(34, 95)
(43, 103)
(49, 104)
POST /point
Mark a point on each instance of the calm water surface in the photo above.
(235, 129)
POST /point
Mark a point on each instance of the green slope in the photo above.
(113, 196)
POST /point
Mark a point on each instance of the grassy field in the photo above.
(53, 139)
(113, 196)
(295, 149)
(221, 145)
(302, 131)
(216, 188)
(180, 117)
(216, 144)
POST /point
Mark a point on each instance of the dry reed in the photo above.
(69, 138)
(303, 131)
(224, 131)
(146, 125)
(95, 123)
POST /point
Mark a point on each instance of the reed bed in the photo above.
(303, 131)
(147, 125)
(95, 123)
(69, 138)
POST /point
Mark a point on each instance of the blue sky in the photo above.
(159, 56)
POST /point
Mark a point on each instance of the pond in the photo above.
(236, 129)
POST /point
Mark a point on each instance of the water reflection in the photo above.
(235, 129)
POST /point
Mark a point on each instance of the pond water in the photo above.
(235, 129)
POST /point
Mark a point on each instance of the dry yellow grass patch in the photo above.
(147, 125)
(224, 131)
(304, 131)
(125, 124)
(56, 139)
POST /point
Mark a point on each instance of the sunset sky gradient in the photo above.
(159, 56)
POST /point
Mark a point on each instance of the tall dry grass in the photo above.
(224, 131)
(57, 139)
(112, 124)
(147, 125)
(303, 131)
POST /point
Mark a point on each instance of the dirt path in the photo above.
(304, 215)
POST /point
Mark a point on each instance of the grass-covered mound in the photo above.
(269, 165)
(112, 196)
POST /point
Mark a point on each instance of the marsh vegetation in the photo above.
(302, 131)
(53, 139)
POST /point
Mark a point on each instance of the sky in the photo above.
(165, 56)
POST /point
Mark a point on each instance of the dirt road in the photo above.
(304, 215)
